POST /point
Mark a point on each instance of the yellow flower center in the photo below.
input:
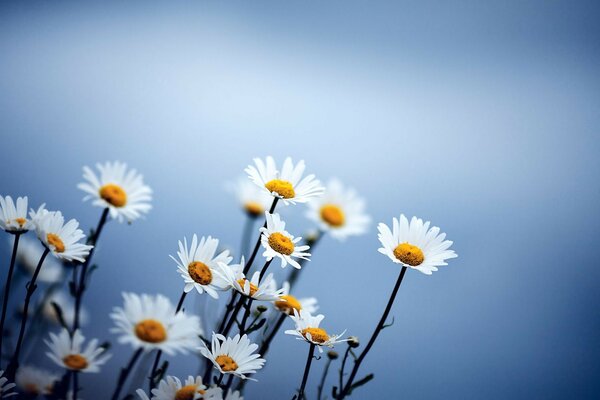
(282, 188)
(253, 208)
(75, 361)
(20, 221)
(226, 363)
(200, 272)
(288, 304)
(187, 392)
(317, 334)
(113, 194)
(56, 241)
(409, 254)
(253, 287)
(333, 215)
(281, 243)
(151, 331)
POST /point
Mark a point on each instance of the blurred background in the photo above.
(480, 117)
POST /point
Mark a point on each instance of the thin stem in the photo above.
(220, 379)
(180, 302)
(125, 373)
(236, 310)
(257, 245)
(378, 329)
(311, 352)
(264, 347)
(228, 384)
(246, 233)
(322, 383)
(245, 318)
(11, 269)
(84, 269)
(295, 273)
(263, 271)
(75, 384)
(343, 366)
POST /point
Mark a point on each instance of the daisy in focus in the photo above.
(415, 245)
(171, 388)
(340, 211)
(150, 322)
(13, 217)
(62, 239)
(307, 329)
(286, 184)
(252, 199)
(122, 191)
(279, 243)
(197, 265)
(6, 387)
(70, 354)
(35, 381)
(264, 290)
(288, 303)
(233, 355)
(29, 253)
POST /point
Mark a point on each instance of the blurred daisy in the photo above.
(286, 184)
(67, 307)
(6, 387)
(69, 353)
(279, 243)
(62, 239)
(307, 328)
(264, 290)
(13, 218)
(252, 199)
(150, 322)
(197, 264)
(35, 381)
(340, 211)
(29, 253)
(171, 388)
(233, 355)
(216, 393)
(122, 191)
(415, 245)
(288, 303)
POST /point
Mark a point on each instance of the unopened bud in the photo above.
(333, 355)
(353, 342)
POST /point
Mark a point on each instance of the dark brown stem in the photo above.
(11, 269)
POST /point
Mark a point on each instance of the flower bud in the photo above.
(353, 342)
(333, 355)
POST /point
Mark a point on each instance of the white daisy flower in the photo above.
(6, 387)
(233, 355)
(150, 322)
(67, 307)
(197, 264)
(288, 303)
(279, 243)
(35, 381)
(69, 353)
(415, 245)
(122, 191)
(339, 211)
(29, 253)
(307, 329)
(264, 290)
(286, 184)
(171, 388)
(13, 218)
(252, 199)
(216, 393)
(62, 239)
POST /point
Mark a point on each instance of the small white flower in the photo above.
(288, 303)
(29, 253)
(233, 355)
(197, 265)
(122, 191)
(13, 218)
(171, 388)
(264, 290)
(415, 245)
(252, 199)
(307, 329)
(150, 322)
(286, 184)
(35, 381)
(6, 387)
(62, 239)
(69, 353)
(279, 243)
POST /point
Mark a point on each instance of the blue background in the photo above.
(480, 117)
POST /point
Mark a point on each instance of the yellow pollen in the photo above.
(409, 254)
(200, 272)
(226, 363)
(20, 221)
(113, 194)
(75, 361)
(288, 304)
(56, 241)
(151, 331)
(317, 334)
(282, 188)
(333, 215)
(253, 208)
(281, 243)
(253, 287)
(187, 392)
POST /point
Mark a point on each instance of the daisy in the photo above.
(34, 381)
(5, 387)
(171, 388)
(62, 239)
(122, 191)
(279, 243)
(29, 253)
(68, 353)
(286, 184)
(288, 303)
(233, 355)
(264, 290)
(13, 218)
(307, 329)
(150, 322)
(415, 245)
(340, 211)
(197, 264)
(252, 199)
(216, 393)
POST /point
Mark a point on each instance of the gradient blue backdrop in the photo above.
(480, 117)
